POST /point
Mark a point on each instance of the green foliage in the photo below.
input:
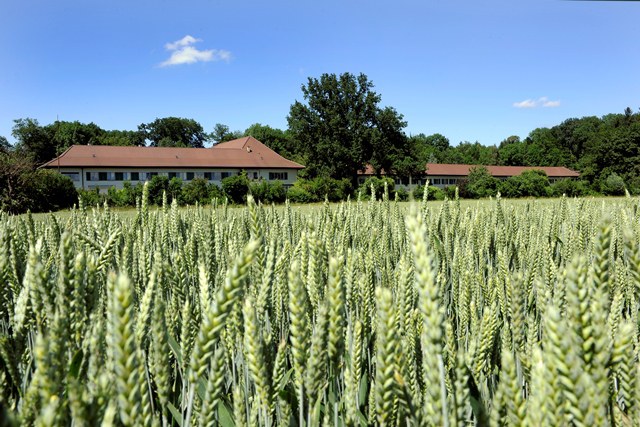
(479, 184)
(341, 128)
(471, 154)
(570, 188)
(196, 191)
(174, 132)
(613, 185)
(268, 192)
(429, 149)
(22, 188)
(50, 191)
(378, 187)
(278, 140)
(298, 194)
(221, 133)
(174, 188)
(434, 193)
(316, 189)
(158, 185)
(93, 197)
(531, 183)
(236, 188)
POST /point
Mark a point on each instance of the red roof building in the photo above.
(102, 166)
(443, 174)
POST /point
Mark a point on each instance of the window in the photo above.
(173, 175)
(75, 176)
(281, 176)
(255, 175)
(119, 176)
(452, 181)
(135, 176)
(102, 176)
(436, 181)
(190, 176)
(151, 175)
(208, 175)
(224, 175)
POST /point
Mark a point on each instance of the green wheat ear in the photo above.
(121, 342)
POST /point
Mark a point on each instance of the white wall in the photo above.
(79, 175)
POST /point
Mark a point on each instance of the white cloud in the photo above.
(182, 52)
(185, 41)
(527, 103)
(534, 103)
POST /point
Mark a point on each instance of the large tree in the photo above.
(341, 127)
(4, 145)
(174, 132)
(221, 133)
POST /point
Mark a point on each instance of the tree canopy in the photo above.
(174, 132)
(342, 127)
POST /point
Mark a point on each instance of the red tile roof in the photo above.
(245, 152)
(444, 169)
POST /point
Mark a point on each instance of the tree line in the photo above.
(340, 126)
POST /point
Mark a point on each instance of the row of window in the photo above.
(146, 176)
(444, 181)
(419, 181)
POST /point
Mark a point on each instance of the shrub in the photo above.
(195, 191)
(174, 189)
(570, 187)
(157, 186)
(91, 197)
(297, 194)
(401, 194)
(531, 183)
(333, 189)
(277, 193)
(236, 188)
(259, 190)
(479, 184)
(613, 185)
(216, 193)
(50, 191)
(378, 186)
(435, 193)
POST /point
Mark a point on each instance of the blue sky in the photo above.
(471, 70)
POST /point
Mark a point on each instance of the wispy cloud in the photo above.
(183, 52)
(534, 103)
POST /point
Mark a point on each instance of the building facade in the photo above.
(100, 167)
(444, 175)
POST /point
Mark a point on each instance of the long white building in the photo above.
(101, 167)
(444, 175)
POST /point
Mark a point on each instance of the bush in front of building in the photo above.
(613, 185)
(49, 191)
(570, 188)
(378, 185)
(268, 192)
(195, 191)
(298, 194)
(235, 188)
(434, 193)
(531, 183)
(479, 184)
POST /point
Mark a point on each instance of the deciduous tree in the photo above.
(174, 132)
(341, 127)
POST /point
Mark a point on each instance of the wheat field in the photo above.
(353, 314)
